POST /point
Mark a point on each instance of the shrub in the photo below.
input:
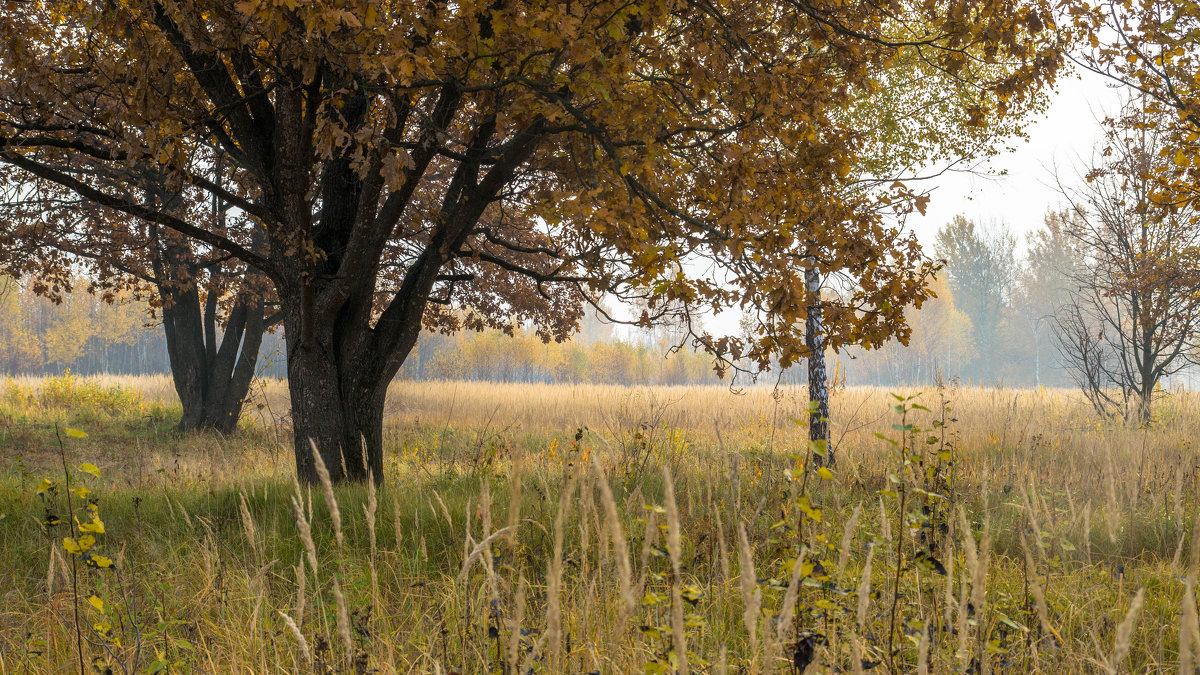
(70, 391)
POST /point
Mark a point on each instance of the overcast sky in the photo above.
(1015, 188)
(1065, 135)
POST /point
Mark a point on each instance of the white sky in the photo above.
(1064, 136)
(1015, 188)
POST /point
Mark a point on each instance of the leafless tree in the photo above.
(1133, 313)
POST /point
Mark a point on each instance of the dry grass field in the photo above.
(585, 529)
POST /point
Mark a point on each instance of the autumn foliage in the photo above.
(478, 164)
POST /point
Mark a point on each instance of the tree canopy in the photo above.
(479, 164)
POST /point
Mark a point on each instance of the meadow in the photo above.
(599, 529)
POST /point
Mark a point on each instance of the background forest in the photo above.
(991, 323)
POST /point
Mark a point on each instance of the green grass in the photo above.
(200, 586)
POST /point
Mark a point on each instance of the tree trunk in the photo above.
(211, 375)
(212, 380)
(338, 374)
(1145, 400)
(818, 379)
(185, 350)
(1037, 357)
(337, 411)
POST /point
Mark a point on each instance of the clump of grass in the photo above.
(69, 392)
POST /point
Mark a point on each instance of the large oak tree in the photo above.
(479, 164)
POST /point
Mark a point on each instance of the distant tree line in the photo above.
(491, 355)
(992, 321)
(86, 335)
(1058, 311)
(1106, 296)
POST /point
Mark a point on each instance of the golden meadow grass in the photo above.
(604, 529)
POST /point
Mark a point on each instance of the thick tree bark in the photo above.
(212, 375)
(337, 411)
(183, 327)
(212, 380)
(338, 377)
(818, 379)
